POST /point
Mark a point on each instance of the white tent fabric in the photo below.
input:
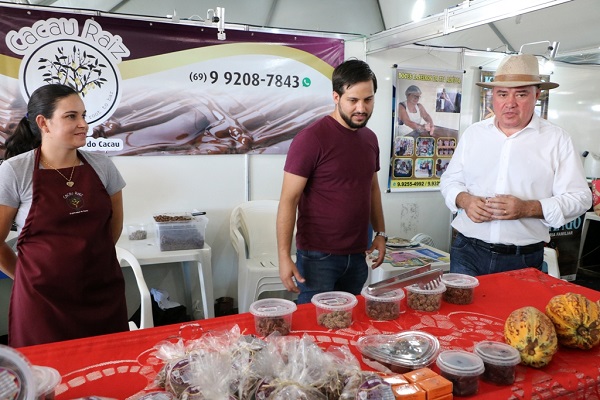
(572, 23)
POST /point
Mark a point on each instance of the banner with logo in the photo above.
(426, 117)
(161, 88)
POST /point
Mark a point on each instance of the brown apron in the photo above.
(68, 283)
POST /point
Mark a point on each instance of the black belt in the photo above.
(506, 248)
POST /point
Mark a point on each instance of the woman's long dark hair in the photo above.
(27, 135)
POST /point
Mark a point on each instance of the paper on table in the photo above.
(433, 254)
(407, 259)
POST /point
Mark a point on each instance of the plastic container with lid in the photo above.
(47, 379)
(334, 309)
(463, 369)
(272, 315)
(383, 307)
(180, 231)
(460, 288)
(137, 231)
(401, 353)
(16, 377)
(424, 299)
(500, 361)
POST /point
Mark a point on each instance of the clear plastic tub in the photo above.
(334, 309)
(463, 369)
(180, 231)
(46, 379)
(383, 307)
(424, 299)
(16, 377)
(137, 231)
(272, 315)
(500, 361)
(460, 288)
(400, 353)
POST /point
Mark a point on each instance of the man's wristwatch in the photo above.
(382, 234)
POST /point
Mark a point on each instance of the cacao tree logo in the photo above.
(61, 51)
(80, 65)
(80, 70)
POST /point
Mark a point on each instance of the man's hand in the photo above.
(287, 273)
(379, 245)
(475, 207)
(506, 207)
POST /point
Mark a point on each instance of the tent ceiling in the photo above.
(574, 23)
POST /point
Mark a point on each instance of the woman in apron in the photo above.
(68, 209)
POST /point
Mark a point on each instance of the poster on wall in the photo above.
(486, 109)
(162, 88)
(566, 240)
(426, 116)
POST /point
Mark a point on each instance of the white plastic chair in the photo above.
(551, 261)
(254, 238)
(146, 320)
(424, 239)
(12, 243)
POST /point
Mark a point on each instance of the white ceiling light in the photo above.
(418, 10)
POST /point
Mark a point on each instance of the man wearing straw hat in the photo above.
(512, 177)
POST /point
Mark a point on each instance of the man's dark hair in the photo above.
(351, 72)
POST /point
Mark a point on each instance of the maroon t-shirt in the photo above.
(334, 209)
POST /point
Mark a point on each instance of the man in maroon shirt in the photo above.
(330, 178)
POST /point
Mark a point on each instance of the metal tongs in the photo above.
(424, 276)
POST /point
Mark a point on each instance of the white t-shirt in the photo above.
(16, 180)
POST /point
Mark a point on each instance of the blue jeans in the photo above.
(470, 259)
(324, 272)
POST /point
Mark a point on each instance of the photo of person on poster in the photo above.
(413, 119)
(443, 102)
(404, 146)
(426, 123)
(403, 168)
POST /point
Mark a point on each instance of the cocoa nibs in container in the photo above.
(458, 295)
(460, 288)
(267, 325)
(335, 319)
(382, 311)
(172, 218)
(383, 307)
(424, 299)
(272, 316)
(334, 309)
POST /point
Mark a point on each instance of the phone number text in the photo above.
(249, 79)
(406, 184)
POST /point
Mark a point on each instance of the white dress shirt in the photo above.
(536, 163)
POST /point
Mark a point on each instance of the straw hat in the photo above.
(519, 70)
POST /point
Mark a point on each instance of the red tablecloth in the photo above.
(119, 366)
